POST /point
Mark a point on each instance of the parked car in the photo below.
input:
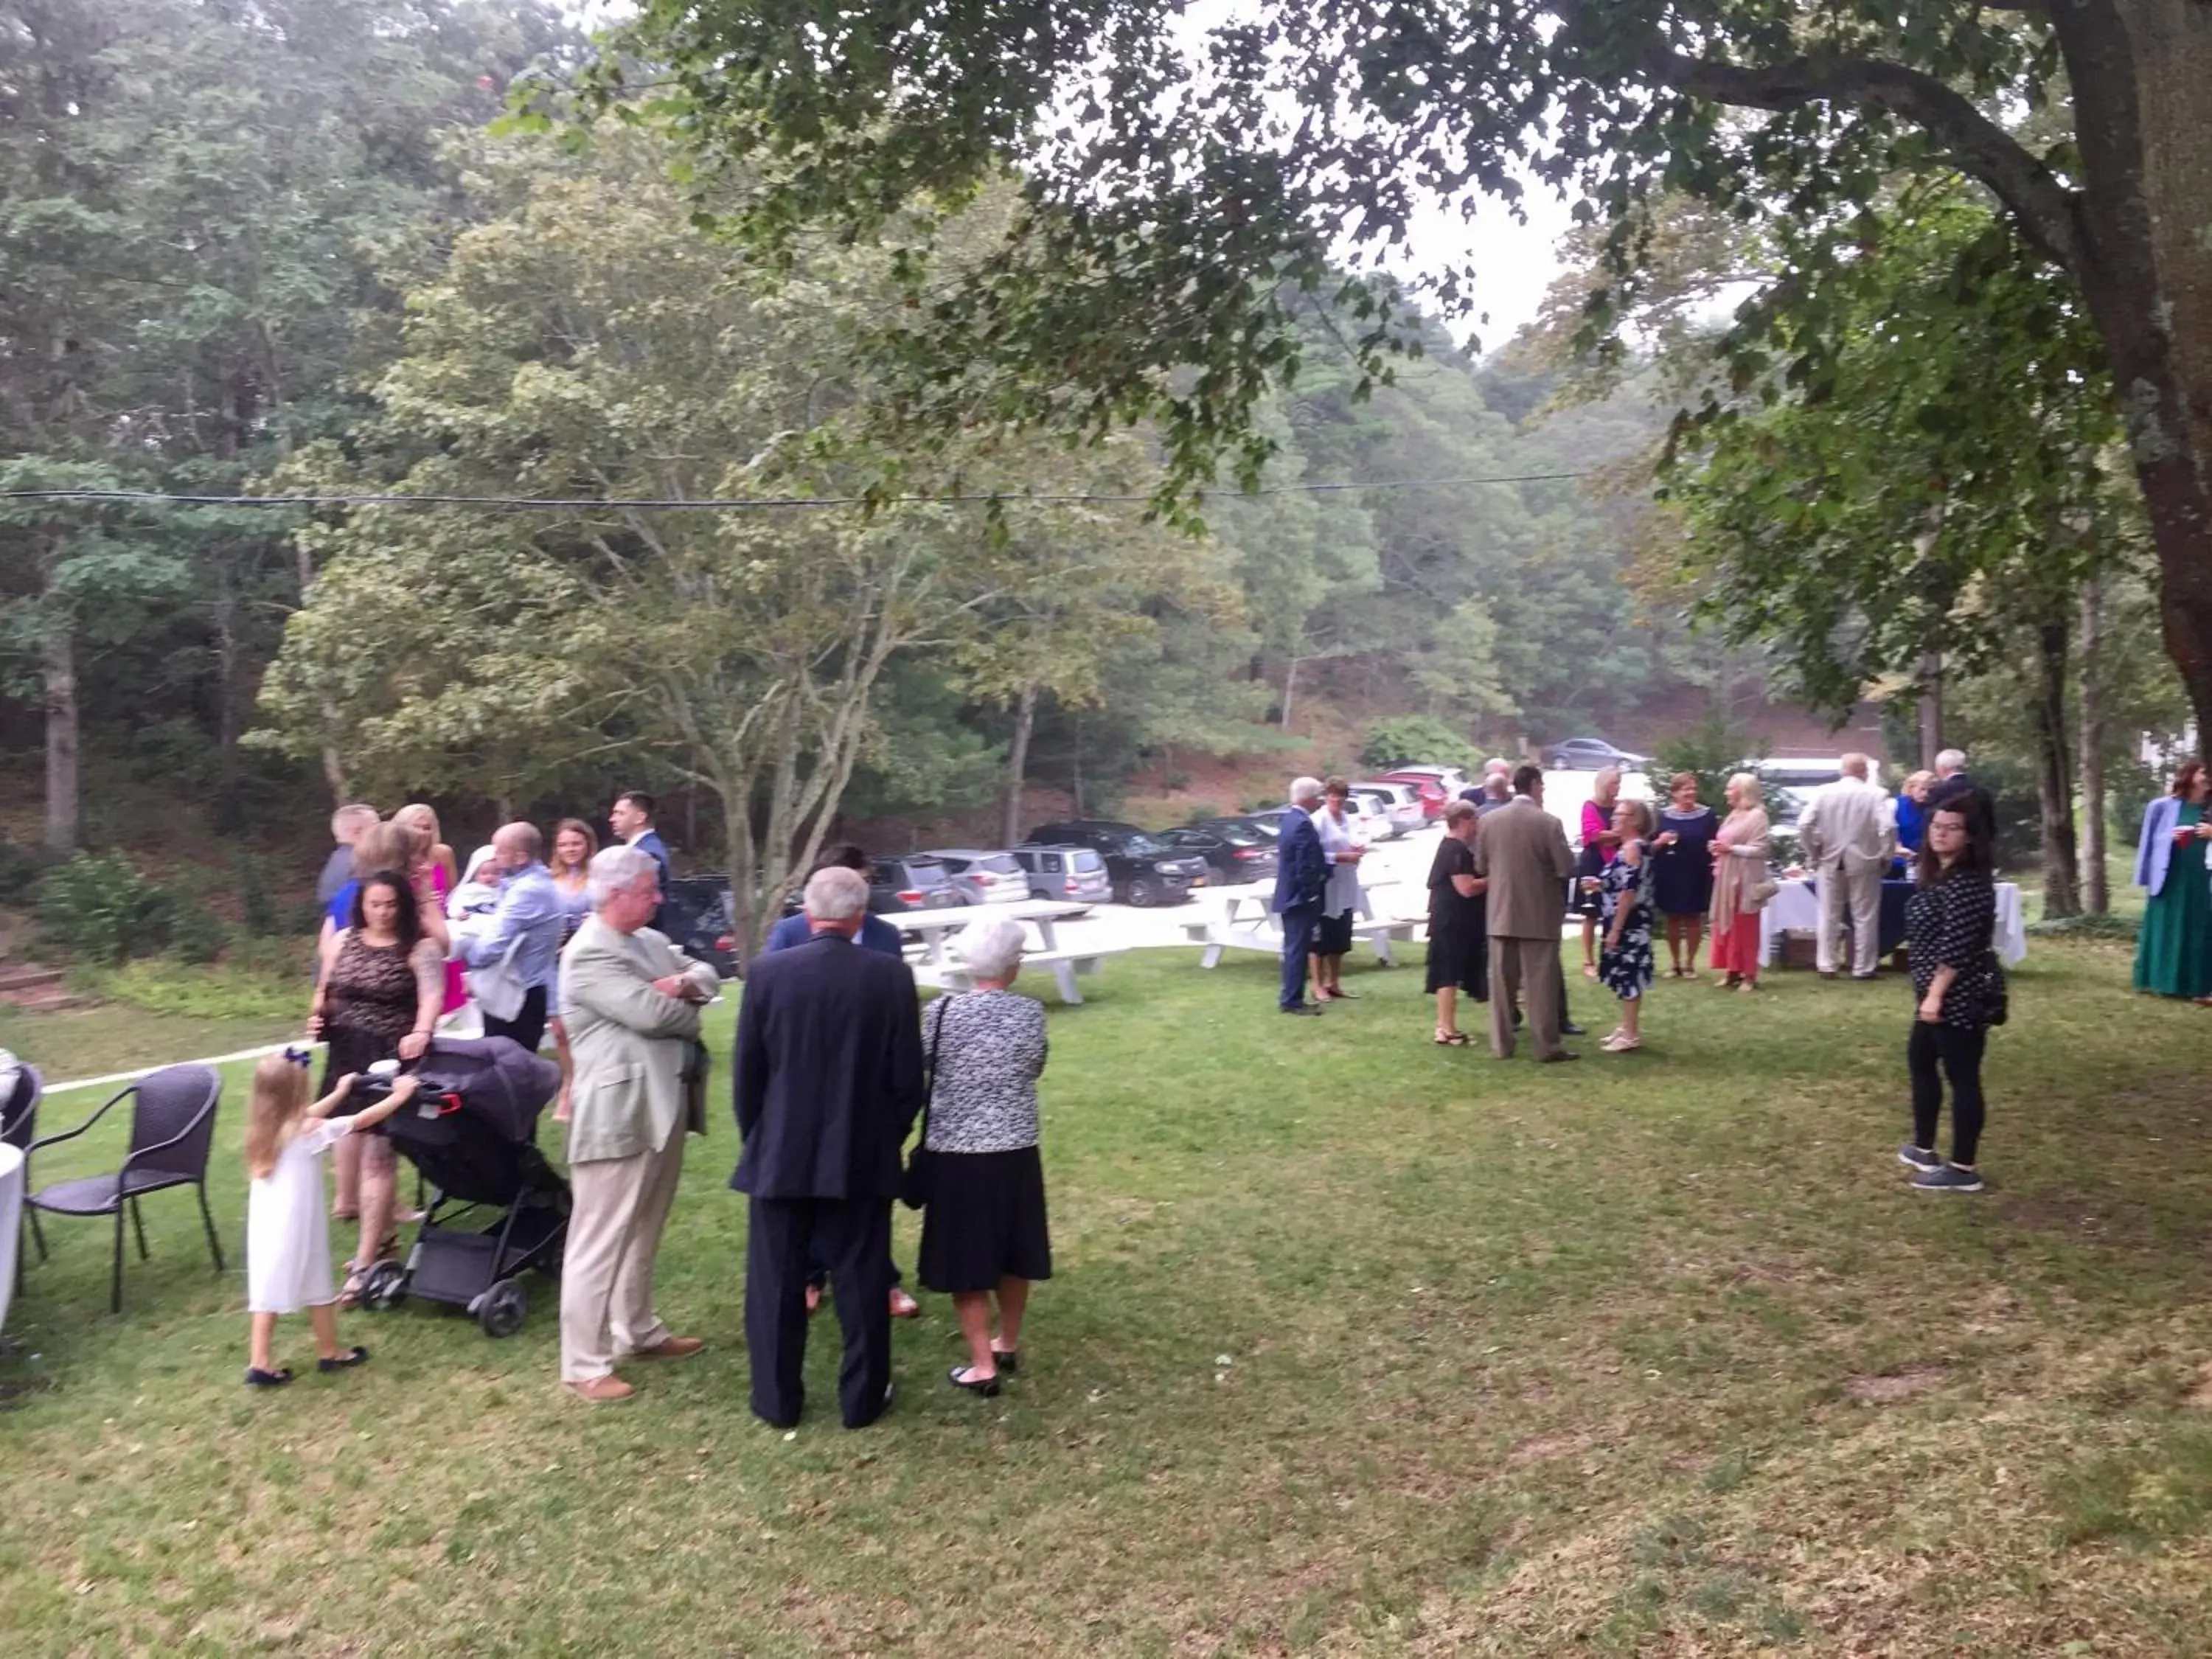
(700, 919)
(1066, 873)
(1144, 869)
(1450, 779)
(1589, 754)
(1235, 850)
(1435, 793)
(984, 878)
(915, 881)
(1400, 802)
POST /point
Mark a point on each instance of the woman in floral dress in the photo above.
(1626, 967)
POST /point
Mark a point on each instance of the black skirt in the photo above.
(1461, 960)
(1332, 935)
(985, 1221)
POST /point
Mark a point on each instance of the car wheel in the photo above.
(1143, 893)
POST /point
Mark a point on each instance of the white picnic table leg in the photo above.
(1044, 926)
(1213, 956)
(1383, 950)
(1063, 974)
(1367, 910)
(938, 936)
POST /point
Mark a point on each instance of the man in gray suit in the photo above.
(1523, 850)
(630, 1002)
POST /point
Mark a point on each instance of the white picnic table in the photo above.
(1238, 919)
(933, 927)
(1796, 907)
(11, 1212)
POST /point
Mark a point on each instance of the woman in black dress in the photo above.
(379, 994)
(1459, 929)
(983, 1233)
(1682, 871)
(1960, 992)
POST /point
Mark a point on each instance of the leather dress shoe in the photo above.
(1568, 1028)
(672, 1348)
(601, 1390)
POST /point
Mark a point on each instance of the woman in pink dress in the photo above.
(1739, 873)
(434, 872)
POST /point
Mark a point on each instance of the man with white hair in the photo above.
(1847, 834)
(629, 1001)
(828, 1083)
(1959, 790)
(1302, 868)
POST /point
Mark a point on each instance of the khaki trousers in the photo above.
(1856, 884)
(620, 1207)
(1532, 964)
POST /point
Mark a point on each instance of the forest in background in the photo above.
(294, 248)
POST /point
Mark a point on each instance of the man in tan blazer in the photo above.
(630, 1002)
(1523, 850)
(1847, 834)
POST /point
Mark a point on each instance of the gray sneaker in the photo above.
(1917, 1157)
(1949, 1179)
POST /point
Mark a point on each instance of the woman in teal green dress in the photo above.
(2174, 953)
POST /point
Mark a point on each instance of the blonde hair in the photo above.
(1742, 781)
(416, 811)
(386, 845)
(273, 1115)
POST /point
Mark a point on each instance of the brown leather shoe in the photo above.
(601, 1390)
(672, 1348)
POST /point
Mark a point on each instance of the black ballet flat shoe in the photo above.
(345, 1361)
(1009, 1360)
(256, 1377)
(988, 1387)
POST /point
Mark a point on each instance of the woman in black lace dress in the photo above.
(1960, 992)
(983, 1234)
(381, 987)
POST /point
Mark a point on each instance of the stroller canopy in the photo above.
(499, 1081)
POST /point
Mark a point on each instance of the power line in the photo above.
(740, 504)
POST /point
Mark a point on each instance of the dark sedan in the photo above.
(1235, 849)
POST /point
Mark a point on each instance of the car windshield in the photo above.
(1084, 860)
(999, 864)
(918, 872)
(1139, 844)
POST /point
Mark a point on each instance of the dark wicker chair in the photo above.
(172, 1131)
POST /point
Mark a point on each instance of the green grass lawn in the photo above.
(1358, 1346)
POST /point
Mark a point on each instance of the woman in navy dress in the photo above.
(1682, 871)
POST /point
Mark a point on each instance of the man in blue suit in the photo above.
(631, 819)
(1301, 877)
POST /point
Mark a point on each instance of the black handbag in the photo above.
(921, 1162)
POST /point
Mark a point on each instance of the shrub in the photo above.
(20, 867)
(1714, 749)
(257, 903)
(100, 909)
(1416, 740)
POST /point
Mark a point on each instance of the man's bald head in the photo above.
(1855, 766)
(517, 845)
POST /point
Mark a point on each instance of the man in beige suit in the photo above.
(1847, 834)
(1523, 850)
(630, 1002)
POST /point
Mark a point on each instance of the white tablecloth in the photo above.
(11, 1222)
(1796, 907)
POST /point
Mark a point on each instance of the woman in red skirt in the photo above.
(1739, 880)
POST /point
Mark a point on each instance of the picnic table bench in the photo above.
(1238, 919)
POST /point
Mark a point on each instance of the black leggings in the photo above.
(1958, 1049)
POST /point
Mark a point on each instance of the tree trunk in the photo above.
(1290, 688)
(2054, 777)
(1931, 709)
(334, 775)
(2096, 885)
(227, 653)
(2138, 70)
(58, 664)
(1017, 763)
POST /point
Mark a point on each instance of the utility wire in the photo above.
(741, 504)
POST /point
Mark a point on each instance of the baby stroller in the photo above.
(473, 1133)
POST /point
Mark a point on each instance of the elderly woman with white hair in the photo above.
(1740, 889)
(983, 1233)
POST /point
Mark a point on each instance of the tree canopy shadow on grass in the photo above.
(1356, 1344)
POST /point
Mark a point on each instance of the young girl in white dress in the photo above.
(288, 1232)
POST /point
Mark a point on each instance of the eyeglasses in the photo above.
(299, 1057)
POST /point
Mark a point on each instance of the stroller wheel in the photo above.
(501, 1311)
(384, 1287)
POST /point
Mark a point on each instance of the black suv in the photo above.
(911, 883)
(1235, 849)
(1144, 869)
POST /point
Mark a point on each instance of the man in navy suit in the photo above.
(1301, 878)
(631, 819)
(828, 1083)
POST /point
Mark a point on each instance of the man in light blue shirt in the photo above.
(523, 932)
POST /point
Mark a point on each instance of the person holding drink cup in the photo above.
(2173, 952)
